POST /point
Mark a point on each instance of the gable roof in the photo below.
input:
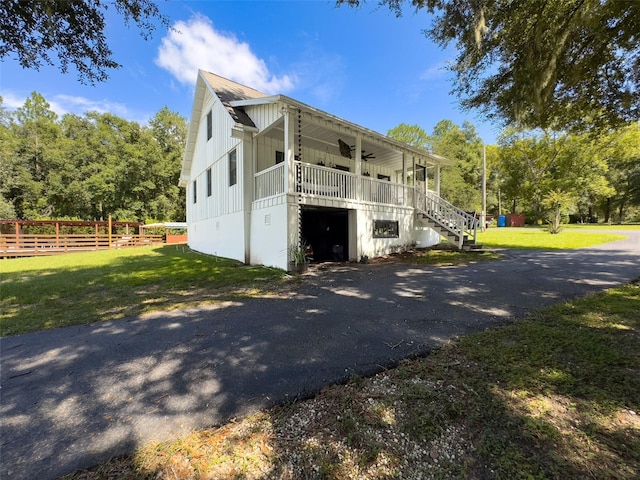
(228, 91)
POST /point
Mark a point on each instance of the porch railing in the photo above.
(381, 191)
(450, 217)
(269, 182)
(325, 181)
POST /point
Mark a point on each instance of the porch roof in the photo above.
(320, 129)
(323, 130)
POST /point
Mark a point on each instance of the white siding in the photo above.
(269, 227)
(222, 236)
(408, 235)
(264, 115)
(213, 220)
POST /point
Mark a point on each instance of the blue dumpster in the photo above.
(502, 220)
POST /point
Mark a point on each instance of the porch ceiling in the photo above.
(321, 130)
(324, 139)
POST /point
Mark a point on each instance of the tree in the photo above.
(621, 149)
(461, 183)
(89, 166)
(411, 135)
(36, 154)
(170, 131)
(72, 30)
(7, 149)
(547, 174)
(554, 64)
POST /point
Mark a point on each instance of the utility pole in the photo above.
(483, 214)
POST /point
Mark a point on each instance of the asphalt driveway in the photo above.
(76, 396)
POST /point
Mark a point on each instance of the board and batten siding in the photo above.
(214, 154)
(264, 116)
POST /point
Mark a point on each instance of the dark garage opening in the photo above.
(327, 231)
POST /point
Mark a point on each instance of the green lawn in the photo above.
(539, 238)
(603, 226)
(48, 292)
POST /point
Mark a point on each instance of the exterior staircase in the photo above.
(457, 226)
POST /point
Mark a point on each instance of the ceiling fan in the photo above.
(345, 151)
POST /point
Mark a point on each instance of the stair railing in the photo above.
(450, 217)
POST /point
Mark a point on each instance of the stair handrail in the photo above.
(452, 218)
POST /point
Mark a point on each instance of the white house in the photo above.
(265, 173)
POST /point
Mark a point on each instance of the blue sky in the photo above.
(364, 65)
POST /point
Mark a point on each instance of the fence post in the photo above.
(110, 232)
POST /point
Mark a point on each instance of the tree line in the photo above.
(545, 174)
(90, 166)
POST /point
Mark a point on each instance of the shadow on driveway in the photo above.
(76, 396)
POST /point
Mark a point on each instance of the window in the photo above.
(195, 191)
(385, 229)
(209, 188)
(209, 125)
(279, 157)
(233, 168)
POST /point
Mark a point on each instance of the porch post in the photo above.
(413, 159)
(437, 180)
(426, 177)
(404, 177)
(248, 181)
(289, 146)
(358, 168)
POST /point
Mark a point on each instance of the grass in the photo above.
(603, 226)
(47, 292)
(553, 396)
(539, 238)
(444, 254)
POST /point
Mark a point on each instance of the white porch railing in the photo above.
(448, 215)
(325, 181)
(381, 191)
(269, 182)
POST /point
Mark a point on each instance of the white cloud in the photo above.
(197, 44)
(11, 101)
(435, 72)
(61, 104)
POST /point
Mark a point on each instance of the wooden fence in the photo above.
(27, 245)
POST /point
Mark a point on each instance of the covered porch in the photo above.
(315, 155)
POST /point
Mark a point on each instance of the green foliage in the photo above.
(557, 203)
(90, 166)
(411, 135)
(535, 166)
(621, 150)
(460, 184)
(554, 64)
(73, 31)
(594, 174)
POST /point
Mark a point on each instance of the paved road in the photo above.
(76, 396)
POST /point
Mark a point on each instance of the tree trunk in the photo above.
(621, 212)
(607, 210)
